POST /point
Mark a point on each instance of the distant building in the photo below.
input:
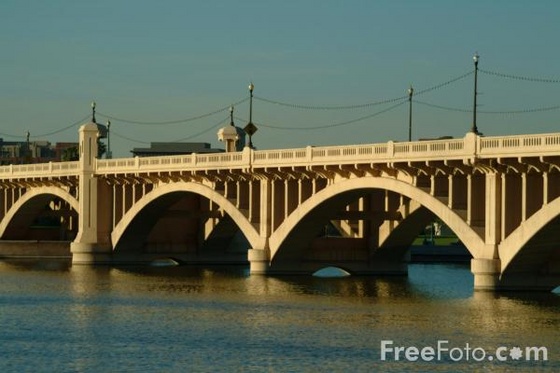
(18, 152)
(174, 148)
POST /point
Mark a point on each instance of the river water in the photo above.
(61, 318)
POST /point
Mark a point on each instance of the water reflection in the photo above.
(185, 318)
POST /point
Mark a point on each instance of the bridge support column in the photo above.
(89, 253)
(259, 260)
(88, 248)
(486, 273)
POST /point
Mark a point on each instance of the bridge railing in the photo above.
(446, 149)
(519, 145)
(371, 153)
(416, 151)
(172, 163)
(39, 169)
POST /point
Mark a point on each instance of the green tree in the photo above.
(101, 148)
(70, 154)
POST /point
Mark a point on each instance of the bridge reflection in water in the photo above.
(268, 208)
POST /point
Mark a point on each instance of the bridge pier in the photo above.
(488, 277)
(90, 253)
(486, 274)
(259, 261)
(91, 245)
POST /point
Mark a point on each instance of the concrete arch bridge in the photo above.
(499, 195)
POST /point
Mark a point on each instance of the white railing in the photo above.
(39, 169)
(470, 146)
(170, 163)
(521, 145)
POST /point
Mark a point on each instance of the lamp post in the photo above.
(410, 93)
(93, 112)
(28, 148)
(474, 128)
(109, 155)
(250, 128)
(251, 88)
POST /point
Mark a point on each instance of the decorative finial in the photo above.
(231, 116)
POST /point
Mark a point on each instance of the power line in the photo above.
(461, 110)
(359, 106)
(179, 140)
(170, 122)
(204, 131)
(113, 132)
(63, 129)
(48, 133)
(344, 107)
(441, 85)
(517, 77)
(331, 125)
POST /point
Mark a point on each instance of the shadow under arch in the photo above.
(533, 241)
(36, 198)
(240, 220)
(336, 195)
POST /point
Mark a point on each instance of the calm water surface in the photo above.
(177, 319)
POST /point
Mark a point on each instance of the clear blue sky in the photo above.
(170, 60)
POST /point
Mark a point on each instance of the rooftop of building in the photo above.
(175, 148)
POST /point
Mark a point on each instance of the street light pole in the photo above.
(93, 112)
(474, 128)
(251, 88)
(108, 155)
(410, 93)
(250, 128)
(28, 149)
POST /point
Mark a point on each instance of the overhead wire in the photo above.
(170, 122)
(48, 133)
(359, 106)
(398, 100)
(203, 131)
(334, 124)
(518, 77)
(113, 132)
(521, 111)
(76, 123)
(178, 140)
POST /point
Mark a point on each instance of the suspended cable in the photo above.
(113, 132)
(332, 125)
(359, 106)
(423, 91)
(179, 140)
(203, 131)
(345, 107)
(443, 107)
(522, 111)
(48, 133)
(517, 77)
(145, 123)
(63, 129)
(13, 136)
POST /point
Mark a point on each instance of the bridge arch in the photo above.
(39, 196)
(532, 240)
(239, 219)
(355, 187)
